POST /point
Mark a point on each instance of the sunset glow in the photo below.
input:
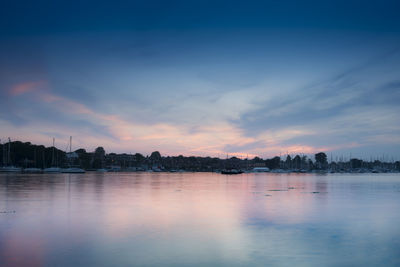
(202, 90)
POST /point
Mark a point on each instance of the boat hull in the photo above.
(231, 172)
(10, 169)
(33, 170)
(52, 170)
(73, 170)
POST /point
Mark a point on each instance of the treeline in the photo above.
(29, 155)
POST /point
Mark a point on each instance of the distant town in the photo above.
(24, 156)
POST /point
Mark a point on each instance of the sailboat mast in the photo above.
(9, 151)
(52, 156)
(4, 154)
(34, 157)
(70, 144)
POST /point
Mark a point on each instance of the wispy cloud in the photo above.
(27, 87)
(205, 93)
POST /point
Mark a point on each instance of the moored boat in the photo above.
(32, 170)
(71, 156)
(52, 170)
(72, 170)
(231, 171)
(10, 169)
(260, 169)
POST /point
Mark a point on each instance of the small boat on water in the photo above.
(156, 169)
(231, 166)
(278, 171)
(32, 170)
(10, 169)
(260, 169)
(231, 171)
(71, 155)
(52, 170)
(72, 170)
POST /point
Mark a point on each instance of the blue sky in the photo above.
(203, 77)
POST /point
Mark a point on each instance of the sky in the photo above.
(257, 78)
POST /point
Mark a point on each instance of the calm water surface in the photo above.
(199, 219)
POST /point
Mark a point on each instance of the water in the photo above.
(199, 219)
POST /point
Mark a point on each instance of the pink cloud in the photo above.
(27, 87)
(208, 140)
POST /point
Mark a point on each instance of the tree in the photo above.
(303, 163)
(288, 162)
(356, 163)
(297, 162)
(139, 158)
(258, 160)
(80, 151)
(273, 163)
(155, 157)
(84, 159)
(97, 163)
(100, 153)
(98, 159)
(310, 164)
(321, 160)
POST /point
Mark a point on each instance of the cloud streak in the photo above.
(206, 87)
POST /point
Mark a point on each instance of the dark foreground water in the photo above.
(199, 219)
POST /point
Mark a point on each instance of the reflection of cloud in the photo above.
(181, 218)
(285, 203)
(177, 209)
(22, 249)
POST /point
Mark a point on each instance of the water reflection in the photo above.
(198, 219)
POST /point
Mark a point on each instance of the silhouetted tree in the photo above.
(84, 159)
(100, 152)
(297, 162)
(303, 162)
(98, 158)
(97, 163)
(310, 164)
(139, 158)
(155, 157)
(288, 162)
(258, 160)
(321, 160)
(356, 163)
(273, 163)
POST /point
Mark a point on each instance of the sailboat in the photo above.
(72, 169)
(33, 169)
(6, 167)
(53, 168)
